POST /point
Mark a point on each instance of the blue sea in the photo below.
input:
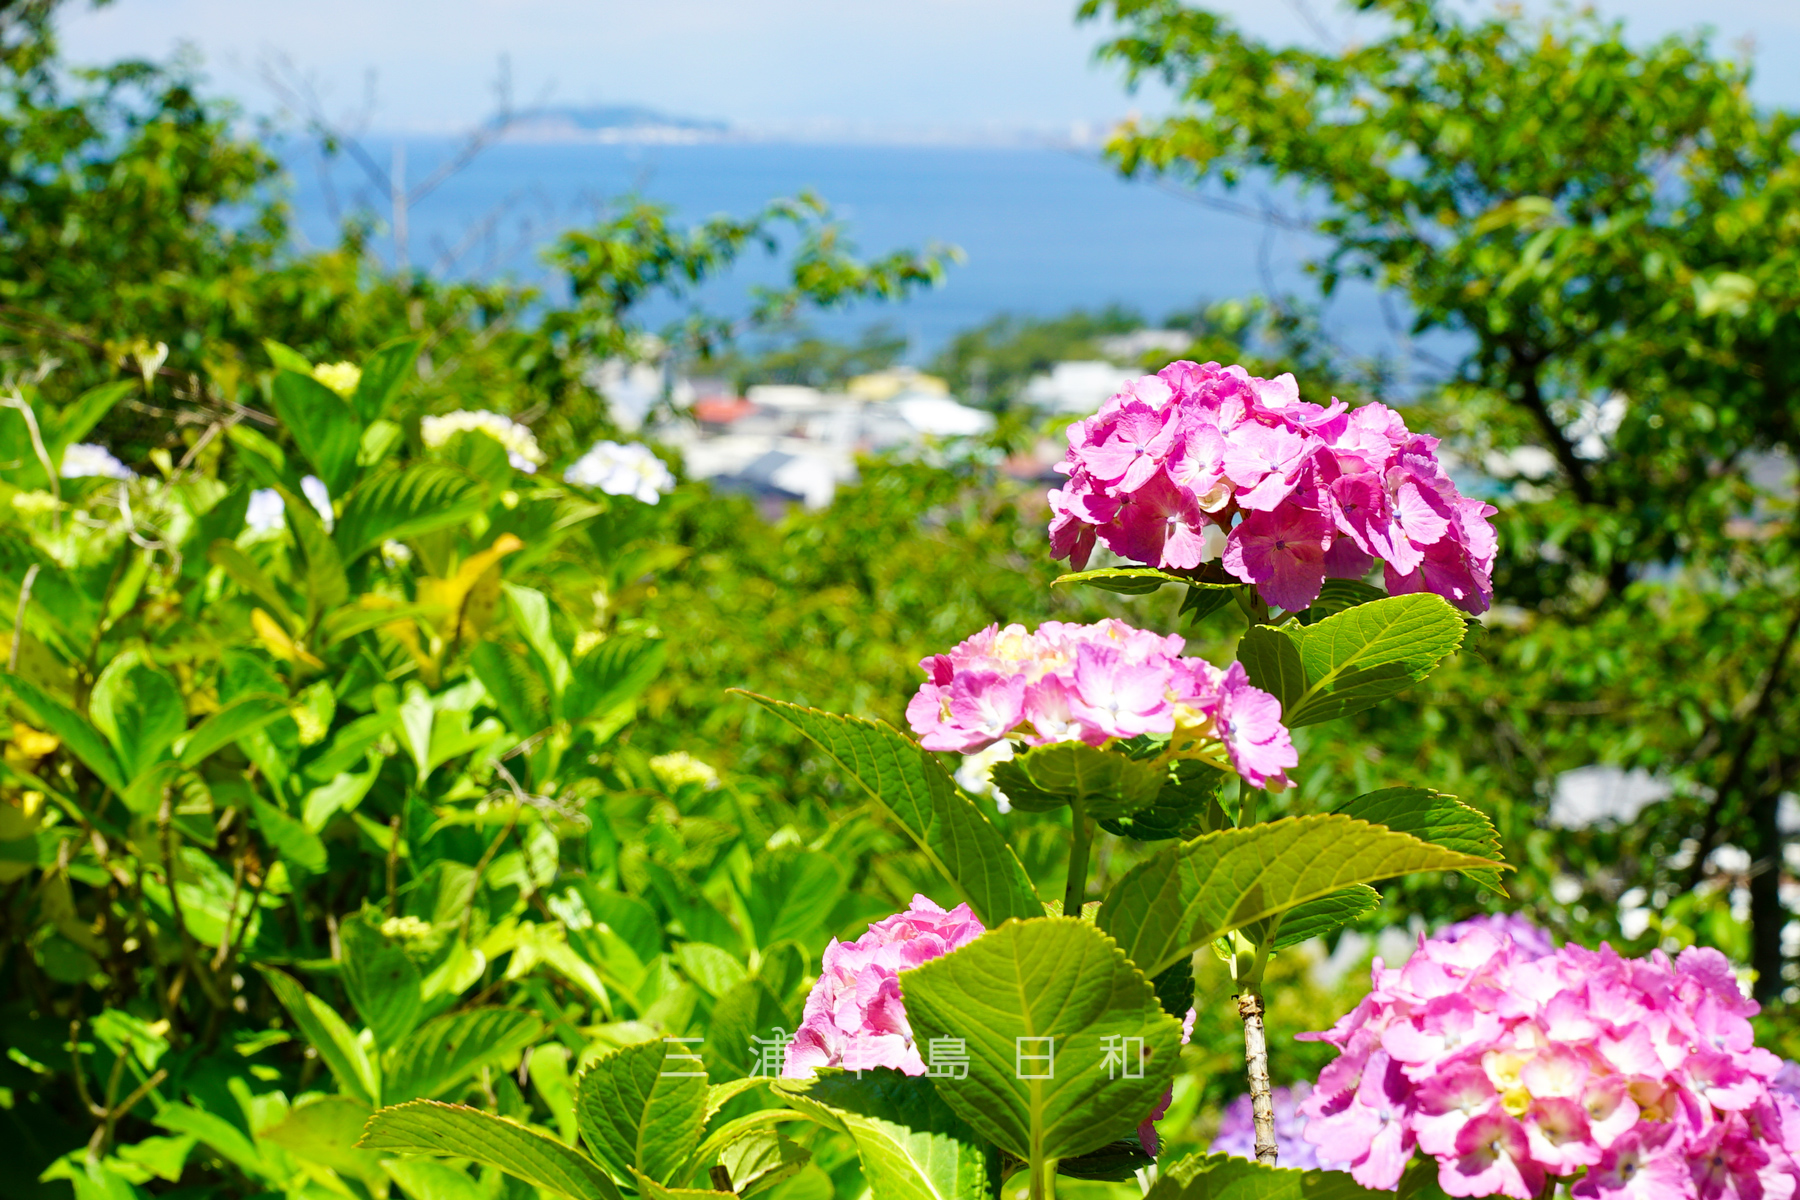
(1042, 230)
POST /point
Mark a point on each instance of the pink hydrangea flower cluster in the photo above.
(1237, 1129)
(1321, 492)
(854, 1017)
(1511, 1062)
(1092, 683)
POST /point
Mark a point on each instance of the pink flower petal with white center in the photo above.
(1723, 1082)
(1556, 1129)
(1166, 526)
(1140, 439)
(1610, 1109)
(1048, 713)
(1264, 462)
(1493, 1157)
(1114, 698)
(1647, 1165)
(1283, 553)
(1448, 1101)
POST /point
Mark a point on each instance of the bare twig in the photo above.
(16, 401)
(18, 629)
(1256, 1059)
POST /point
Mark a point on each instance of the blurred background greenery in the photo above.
(391, 744)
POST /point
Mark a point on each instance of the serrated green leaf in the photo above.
(1188, 800)
(324, 427)
(325, 1131)
(1436, 818)
(912, 1145)
(1221, 1177)
(1352, 660)
(917, 793)
(319, 1024)
(1126, 581)
(455, 1131)
(760, 1160)
(403, 503)
(1316, 918)
(81, 738)
(1035, 1004)
(448, 1050)
(1107, 783)
(637, 1110)
(1184, 896)
(649, 1189)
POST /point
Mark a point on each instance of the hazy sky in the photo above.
(949, 65)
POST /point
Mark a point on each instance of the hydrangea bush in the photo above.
(988, 1032)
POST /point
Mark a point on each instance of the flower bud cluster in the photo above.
(1093, 683)
(1511, 1062)
(1301, 493)
(854, 1016)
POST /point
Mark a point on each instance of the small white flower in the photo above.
(622, 470)
(976, 773)
(266, 510)
(319, 496)
(85, 459)
(521, 445)
(395, 554)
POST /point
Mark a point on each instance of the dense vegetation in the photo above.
(433, 787)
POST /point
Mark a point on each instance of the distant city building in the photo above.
(786, 443)
(1077, 387)
(1130, 348)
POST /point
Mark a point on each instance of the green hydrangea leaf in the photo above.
(1038, 1005)
(1185, 895)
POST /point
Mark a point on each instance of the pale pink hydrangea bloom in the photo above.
(1093, 683)
(1305, 493)
(854, 1016)
(1510, 1062)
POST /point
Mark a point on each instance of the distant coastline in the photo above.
(635, 125)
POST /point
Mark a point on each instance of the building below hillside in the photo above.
(786, 443)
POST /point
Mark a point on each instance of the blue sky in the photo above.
(952, 67)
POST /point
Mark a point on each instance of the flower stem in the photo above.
(1256, 1058)
(1076, 891)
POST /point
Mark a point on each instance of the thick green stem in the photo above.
(1043, 1180)
(1076, 892)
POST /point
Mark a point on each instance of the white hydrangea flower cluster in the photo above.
(521, 446)
(84, 459)
(622, 470)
